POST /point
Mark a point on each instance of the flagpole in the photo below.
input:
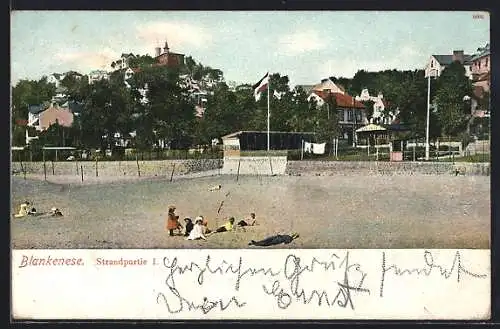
(268, 113)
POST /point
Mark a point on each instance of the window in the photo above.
(340, 115)
(349, 115)
(358, 116)
(432, 64)
(486, 62)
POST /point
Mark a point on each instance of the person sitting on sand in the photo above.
(189, 226)
(275, 239)
(197, 231)
(23, 210)
(55, 212)
(226, 227)
(248, 222)
(172, 221)
(204, 222)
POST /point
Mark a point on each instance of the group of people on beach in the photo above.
(199, 229)
(27, 209)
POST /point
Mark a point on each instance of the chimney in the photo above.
(458, 55)
(157, 51)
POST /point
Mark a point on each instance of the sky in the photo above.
(307, 46)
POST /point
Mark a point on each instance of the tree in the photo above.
(168, 115)
(24, 94)
(452, 86)
(327, 127)
(77, 86)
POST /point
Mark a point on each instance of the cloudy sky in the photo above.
(305, 45)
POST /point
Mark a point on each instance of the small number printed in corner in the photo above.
(479, 16)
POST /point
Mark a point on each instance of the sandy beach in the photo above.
(328, 212)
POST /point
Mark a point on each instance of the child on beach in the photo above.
(189, 226)
(23, 210)
(172, 221)
(248, 222)
(204, 222)
(55, 212)
(226, 227)
(197, 231)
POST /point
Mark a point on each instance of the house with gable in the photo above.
(380, 113)
(55, 78)
(41, 117)
(350, 112)
(98, 75)
(167, 57)
(437, 63)
(481, 68)
(481, 79)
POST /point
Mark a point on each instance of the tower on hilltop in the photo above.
(165, 48)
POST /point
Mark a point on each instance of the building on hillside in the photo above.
(123, 62)
(60, 95)
(306, 88)
(34, 112)
(200, 102)
(73, 74)
(168, 58)
(327, 84)
(55, 78)
(55, 114)
(437, 63)
(481, 68)
(74, 107)
(380, 114)
(98, 75)
(350, 112)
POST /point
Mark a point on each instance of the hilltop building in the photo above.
(437, 63)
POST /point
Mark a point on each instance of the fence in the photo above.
(29, 155)
(441, 150)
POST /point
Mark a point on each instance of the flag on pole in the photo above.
(260, 86)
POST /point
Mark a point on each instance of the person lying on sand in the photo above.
(189, 226)
(197, 231)
(215, 188)
(172, 221)
(248, 222)
(275, 239)
(226, 227)
(23, 210)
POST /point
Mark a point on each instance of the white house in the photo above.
(328, 86)
(98, 75)
(380, 115)
(55, 78)
(437, 63)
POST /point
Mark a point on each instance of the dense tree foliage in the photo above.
(112, 109)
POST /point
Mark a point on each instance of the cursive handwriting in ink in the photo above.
(294, 269)
(222, 269)
(179, 303)
(456, 267)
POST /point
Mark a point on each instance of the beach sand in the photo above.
(328, 212)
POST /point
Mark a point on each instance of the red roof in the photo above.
(136, 70)
(343, 100)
